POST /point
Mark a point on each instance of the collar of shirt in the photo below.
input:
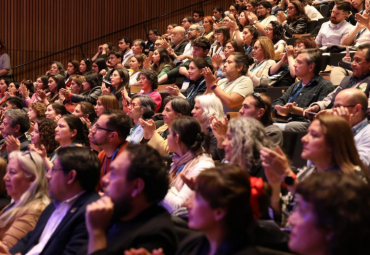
(359, 125)
(68, 202)
(337, 26)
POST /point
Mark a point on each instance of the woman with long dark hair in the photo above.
(296, 21)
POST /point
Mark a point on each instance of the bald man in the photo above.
(178, 40)
(352, 105)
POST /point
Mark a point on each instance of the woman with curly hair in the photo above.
(36, 111)
(148, 81)
(244, 139)
(44, 134)
(296, 22)
(70, 132)
(274, 30)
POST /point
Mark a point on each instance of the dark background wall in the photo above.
(32, 29)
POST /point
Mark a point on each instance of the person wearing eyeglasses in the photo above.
(275, 32)
(110, 133)
(263, 16)
(61, 227)
(296, 21)
(311, 88)
(333, 31)
(26, 184)
(263, 53)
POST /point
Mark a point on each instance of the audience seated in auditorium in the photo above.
(85, 66)
(36, 111)
(201, 48)
(91, 89)
(274, 31)
(13, 128)
(41, 83)
(222, 35)
(72, 69)
(114, 61)
(106, 102)
(120, 81)
(161, 62)
(296, 21)
(55, 83)
(136, 65)
(157, 138)
(55, 68)
(235, 86)
(103, 51)
(208, 27)
(185, 140)
(196, 84)
(86, 112)
(332, 217)
(61, 228)
(311, 88)
(75, 88)
(263, 17)
(27, 186)
(136, 183)
(141, 107)
(218, 14)
(153, 35)
(98, 65)
(198, 16)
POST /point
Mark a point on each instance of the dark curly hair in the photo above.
(39, 109)
(47, 134)
(151, 76)
(278, 31)
(341, 203)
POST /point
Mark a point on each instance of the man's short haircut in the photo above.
(84, 162)
(189, 18)
(265, 4)
(199, 27)
(147, 164)
(116, 53)
(126, 39)
(200, 13)
(18, 117)
(365, 46)
(118, 122)
(15, 102)
(140, 42)
(202, 42)
(344, 6)
(314, 56)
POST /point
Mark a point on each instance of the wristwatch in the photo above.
(289, 179)
(214, 86)
(254, 22)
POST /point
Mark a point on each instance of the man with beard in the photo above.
(178, 40)
(110, 133)
(194, 32)
(333, 31)
(263, 17)
(136, 183)
(61, 227)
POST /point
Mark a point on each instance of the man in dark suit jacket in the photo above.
(13, 128)
(136, 183)
(61, 228)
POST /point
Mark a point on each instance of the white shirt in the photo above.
(332, 34)
(267, 20)
(126, 56)
(61, 209)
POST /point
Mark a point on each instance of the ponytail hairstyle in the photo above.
(190, 133)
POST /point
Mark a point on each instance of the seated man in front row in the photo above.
(311, 88)
(136, 183)
(61, 228)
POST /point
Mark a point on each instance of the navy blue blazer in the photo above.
(69, 236)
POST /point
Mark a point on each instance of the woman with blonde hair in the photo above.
(263, 52)
(27, 185)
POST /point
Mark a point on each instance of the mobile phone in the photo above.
(311, 113)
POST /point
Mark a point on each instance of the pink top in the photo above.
(156, 96)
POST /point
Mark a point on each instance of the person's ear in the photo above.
(219, 214)
(73, 133)
(138, 187)
(177, 138)
(71, 176)
(261, 112)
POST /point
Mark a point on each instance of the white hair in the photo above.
(211, 106)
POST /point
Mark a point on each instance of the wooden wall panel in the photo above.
(32, 29)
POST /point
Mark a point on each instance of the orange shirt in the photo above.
(105, 163)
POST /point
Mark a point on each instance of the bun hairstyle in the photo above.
(190, 133)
